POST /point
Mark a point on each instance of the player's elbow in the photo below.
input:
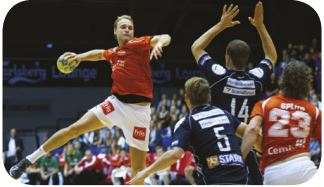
(194, 47)
(272, 57)
(251, 131)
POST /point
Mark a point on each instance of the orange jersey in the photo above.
(131, 70)
(288, 125)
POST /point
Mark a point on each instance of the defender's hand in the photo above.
(228, 16)
(257, 21)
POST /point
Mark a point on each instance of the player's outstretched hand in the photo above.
(257, 21)
(156, 52)
(140, 176)
(228, 15)
(72, 59)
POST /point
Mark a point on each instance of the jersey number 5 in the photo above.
(226, 145)
(283, 118)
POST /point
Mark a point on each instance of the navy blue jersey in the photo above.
(210, 133)
(235, 91)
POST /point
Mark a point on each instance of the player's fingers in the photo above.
(151, 56)
(229, 8)
(236, 23)
(67, 53)
(224, 8)
(156, 55)
(234, 9)
(159, 51)
(235, 13)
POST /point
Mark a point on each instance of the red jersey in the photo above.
(131, 70)
(288, 125)
(93, 164)
(180, 166)
(115, 160)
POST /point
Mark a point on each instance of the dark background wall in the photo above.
(82, 25)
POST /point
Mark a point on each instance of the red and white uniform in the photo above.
(91, 164)
(132, 83)
(131, 70)
(180, 166)
(288, 125)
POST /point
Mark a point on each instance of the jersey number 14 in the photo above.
(244, 110)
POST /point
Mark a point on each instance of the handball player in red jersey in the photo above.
(288, 122)
(129, 105)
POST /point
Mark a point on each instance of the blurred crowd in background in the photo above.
(101, 157)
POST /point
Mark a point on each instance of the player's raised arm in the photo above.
(267, 44)
(157, 43)
(199, 46)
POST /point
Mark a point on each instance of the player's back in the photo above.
(288, 126)
(235, 91)
(215, 145)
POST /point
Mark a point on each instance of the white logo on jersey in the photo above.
(258, 72)
(237, 91)
(206, 114)
(240, 83)
(218, 69)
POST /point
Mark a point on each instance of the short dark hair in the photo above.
(198, 91)
(239, 51)
(296, 80)
(122, 17)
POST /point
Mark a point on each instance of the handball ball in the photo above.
(64, 66)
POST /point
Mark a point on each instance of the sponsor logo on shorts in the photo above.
(139, 133)
(107, 107)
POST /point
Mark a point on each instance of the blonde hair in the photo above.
(122, 17)
(198, 91)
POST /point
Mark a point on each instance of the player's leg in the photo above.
(138, 161)
(255, 175)
(88, 122)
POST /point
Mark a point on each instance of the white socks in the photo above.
(36, 155)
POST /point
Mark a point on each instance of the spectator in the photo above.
(119, 136)
(174, 113)
(49, 170)
(33, 174)
(121, 174)
(161, 177)
(13, 148)
(178, 169)
(272, 87)
(184, 111)
(89, 169)
(163, 102)
(71, 158)
(155, 135)
(315, 150)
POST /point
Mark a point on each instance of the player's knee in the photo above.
(72, 131)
